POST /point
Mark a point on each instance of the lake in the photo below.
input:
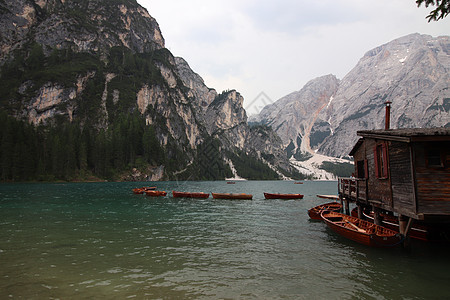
(99, 240)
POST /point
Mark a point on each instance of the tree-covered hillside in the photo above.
(68, 151)
(88, 91)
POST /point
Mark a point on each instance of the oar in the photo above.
(356, 227)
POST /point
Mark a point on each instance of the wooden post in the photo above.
(404, 224)
(376, 216)
(360, 212)
(347, 206)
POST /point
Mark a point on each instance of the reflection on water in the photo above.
(99, 240)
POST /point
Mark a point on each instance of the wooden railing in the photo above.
(354, 189)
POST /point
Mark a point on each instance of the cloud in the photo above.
(295, 17)
(276, 47)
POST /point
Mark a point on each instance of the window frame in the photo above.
(381, 160)
(427, 158)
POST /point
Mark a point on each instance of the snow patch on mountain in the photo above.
(313, 164)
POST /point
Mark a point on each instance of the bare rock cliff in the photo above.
(81, 25)
(412, 72)
(94, 61)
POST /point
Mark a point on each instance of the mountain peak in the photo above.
(79, 25)
(411, 71)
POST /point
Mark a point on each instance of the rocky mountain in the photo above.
(296, 117)
(412, 72)
(93, 26)
(103, 66)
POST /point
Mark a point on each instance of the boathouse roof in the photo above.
(406, 135)
(409, 133)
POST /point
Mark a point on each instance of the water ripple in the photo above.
(90, 239)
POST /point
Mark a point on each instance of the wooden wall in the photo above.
(418, 188)
(377, 189)
(402, 181)
(433, 183)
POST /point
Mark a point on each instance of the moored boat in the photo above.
(361, 231)
(232, 196)
(138, 191)
(155, 193)
(282, 196)
(417, 231)
(332, 197)
(314, 213)
(201, 195)
(143, 189)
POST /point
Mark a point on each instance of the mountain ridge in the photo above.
(103, 67)
(411, 72)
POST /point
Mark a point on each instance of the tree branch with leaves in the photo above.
(441, 11)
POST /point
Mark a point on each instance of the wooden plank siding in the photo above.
(433, 183)
(360, 184)
(433, 193)
(378, 190)
(417, 183)
(370, 189)
(403, 194)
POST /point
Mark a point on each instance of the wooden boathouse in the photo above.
(401, 172)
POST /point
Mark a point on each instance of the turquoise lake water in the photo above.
(99, 240)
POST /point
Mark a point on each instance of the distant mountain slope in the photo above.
(412, 72)
(296, 117)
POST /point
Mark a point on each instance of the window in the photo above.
(362, 169)
(434, 158)
(381, 164)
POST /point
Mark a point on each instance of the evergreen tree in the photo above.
(35, 60)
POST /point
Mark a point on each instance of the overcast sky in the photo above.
(268, 49)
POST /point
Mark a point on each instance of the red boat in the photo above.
(232, 196)
(282, 196)
(143, 189)
(417, 231)
(155, 193)
(314, 213)
(202, 195)
(361, 231)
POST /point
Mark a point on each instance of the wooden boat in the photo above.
(143, 189)
(361, 231)
(202, 195)
(138, 191)
(417, 231)
(314, 213)
(298, 182)
(155, 193)
(332, 197)
(282, 196)
(232, 196)
(231, 182)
